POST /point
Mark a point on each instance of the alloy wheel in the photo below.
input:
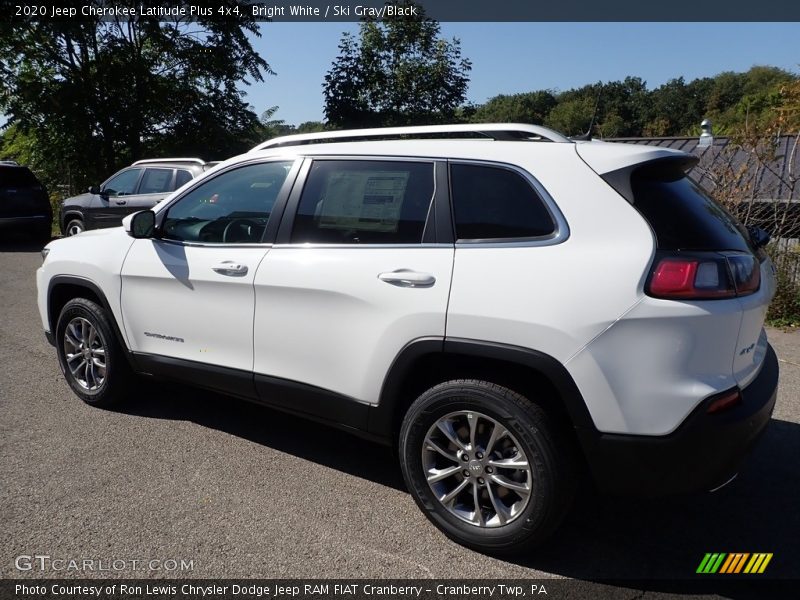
(85, 354)
(476, 469)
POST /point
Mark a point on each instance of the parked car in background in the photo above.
(138, 187)
(24, 204)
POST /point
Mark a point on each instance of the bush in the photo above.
(784, 311)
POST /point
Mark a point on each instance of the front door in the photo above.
(107, 210)
(189, 295)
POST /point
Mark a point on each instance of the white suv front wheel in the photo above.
(485, 465)
(90, 357)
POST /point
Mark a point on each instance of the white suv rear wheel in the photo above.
(485, 465)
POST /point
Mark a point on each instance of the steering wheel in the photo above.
(241, 230)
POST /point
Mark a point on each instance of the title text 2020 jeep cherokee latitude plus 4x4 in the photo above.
(504, 310)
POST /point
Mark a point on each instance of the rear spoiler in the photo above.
(665, 166)
(616, 162)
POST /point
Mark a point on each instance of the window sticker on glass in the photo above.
(363, 200)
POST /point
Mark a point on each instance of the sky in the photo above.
(508, 58)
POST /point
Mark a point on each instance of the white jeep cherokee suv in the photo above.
(505, 306)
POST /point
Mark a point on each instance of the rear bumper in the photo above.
(702, 454)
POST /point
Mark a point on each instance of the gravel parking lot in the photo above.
(244, 491)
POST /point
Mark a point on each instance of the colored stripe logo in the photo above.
(737, 562)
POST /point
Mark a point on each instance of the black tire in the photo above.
(548, 477)
(73, 227)
(95, 385)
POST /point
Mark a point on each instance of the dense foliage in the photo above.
(86, 97)
(628, 109)
(396, 72)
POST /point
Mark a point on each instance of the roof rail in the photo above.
(9, 163)
(144, 161)
(490, 131)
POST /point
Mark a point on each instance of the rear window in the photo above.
(156, 181)
(682, 215)
(364, 202)
(11, 177)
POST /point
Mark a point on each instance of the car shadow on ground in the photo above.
(278, 430)
(652, 545)
(657, 545)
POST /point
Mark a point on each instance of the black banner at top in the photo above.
(440, 10)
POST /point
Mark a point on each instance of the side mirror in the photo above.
(141, 224)
(95, 189)
(758, 236)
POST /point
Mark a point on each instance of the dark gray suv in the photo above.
(138, 187)
(24, 204)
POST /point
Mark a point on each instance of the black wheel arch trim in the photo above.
(90, 285)
(382, 416)
(70, 214)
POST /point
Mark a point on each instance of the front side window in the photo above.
(364, 202)
(156, 181)
(233, 207)
(123, 184)
(496, 203)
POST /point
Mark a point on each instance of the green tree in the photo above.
(397, 72)
(572, 116)
(98, 94)
(530, 107)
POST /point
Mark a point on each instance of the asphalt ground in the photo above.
(244, 491)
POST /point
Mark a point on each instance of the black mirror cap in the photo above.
(758, 236)
(143, 224)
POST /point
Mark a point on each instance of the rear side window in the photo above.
(496, 203)
(681, 214)
(364, 202)
(156, 181)
(12, 177)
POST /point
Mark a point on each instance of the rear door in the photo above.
(358, 272)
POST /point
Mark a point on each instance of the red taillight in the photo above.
(704, 276)
(725, 401)
(691, 278)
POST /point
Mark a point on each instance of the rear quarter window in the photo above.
(491, 203)
(182, 177)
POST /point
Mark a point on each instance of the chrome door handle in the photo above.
(408, 278)
(230, 268)
(121, 202)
